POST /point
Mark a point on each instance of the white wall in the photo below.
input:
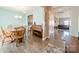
(62, 16)
(78, 26)
(38, 16)
(7, 17)
(73, 14)
(78, 23)
(74, 21)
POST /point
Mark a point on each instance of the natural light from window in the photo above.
(66, 22)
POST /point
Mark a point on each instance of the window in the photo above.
(66, 22)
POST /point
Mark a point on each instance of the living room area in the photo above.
(39, 29)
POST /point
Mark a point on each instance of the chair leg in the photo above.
(2, 42)
(17, 42)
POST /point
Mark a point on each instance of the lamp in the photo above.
(18, 17)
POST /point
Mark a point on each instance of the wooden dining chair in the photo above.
(6, 36)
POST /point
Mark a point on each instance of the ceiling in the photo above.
(27, 9)
(22, 9)
(60, 9)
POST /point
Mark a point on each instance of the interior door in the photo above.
(30, 19)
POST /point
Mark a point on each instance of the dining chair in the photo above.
(6, 36)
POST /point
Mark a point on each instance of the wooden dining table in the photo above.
(18, 34)
(15, 34)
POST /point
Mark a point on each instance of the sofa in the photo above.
(66, 27)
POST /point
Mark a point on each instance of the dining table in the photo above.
(13, 34)
(17, 34)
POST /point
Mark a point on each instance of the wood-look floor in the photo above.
(59, 42)
(71, 44)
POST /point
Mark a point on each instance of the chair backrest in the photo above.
(3, 32)
(20, 30)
